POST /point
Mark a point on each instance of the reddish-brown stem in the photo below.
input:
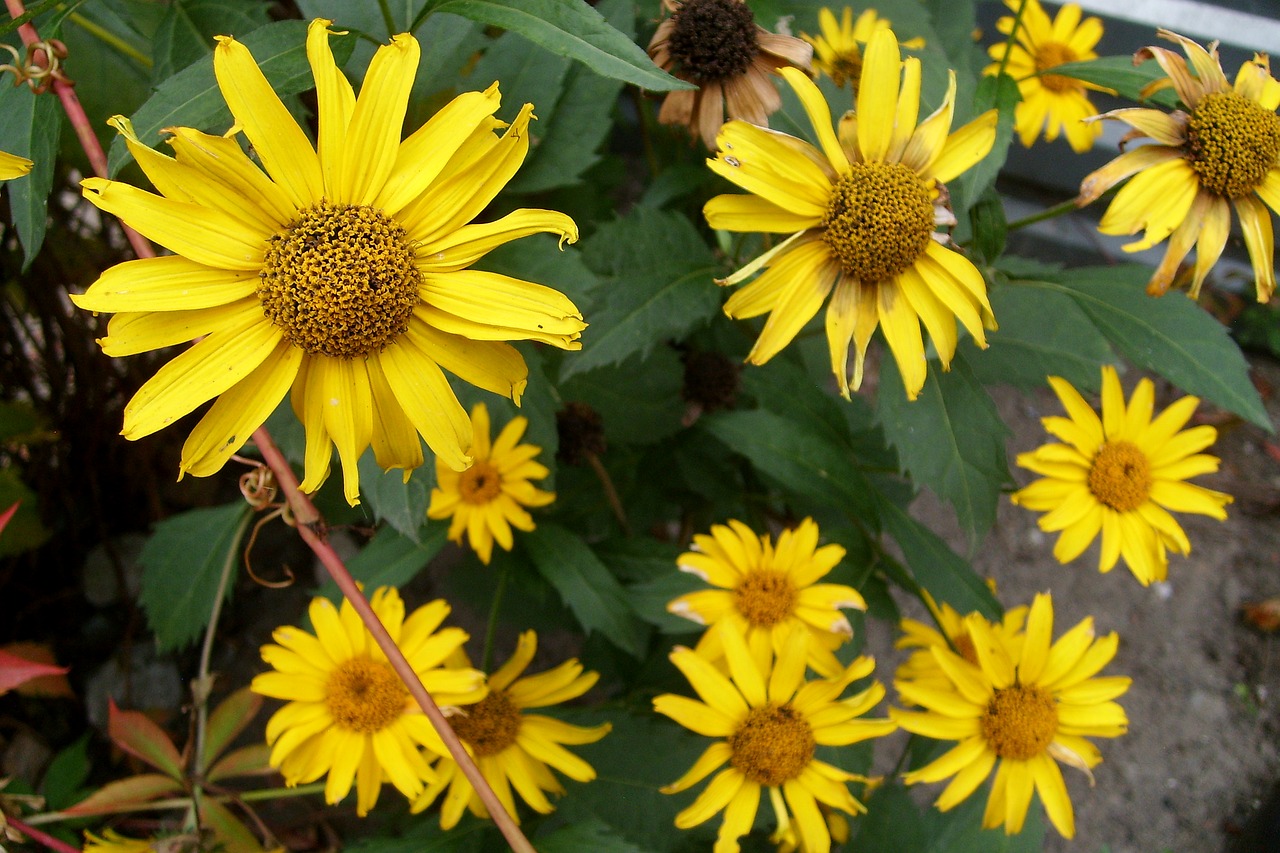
(41, 837)
(79, 120)
(310, 527)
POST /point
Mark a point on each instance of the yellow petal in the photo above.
(335, 100)
(901, 327)
(810, 273)
(220, 158)
(929, 139)
(815, 106)
(878, 96)
(1255, 222)
(738, 212)
(487, 306)
(372, 138)
(965, 148)
(1129, 163)
(12, 166)
(787, 171)
(428, 401)
(395, 441)
(348, 414)
(170, 283)
(472, 242)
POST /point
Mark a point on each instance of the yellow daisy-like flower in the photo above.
(951, 633)
(770, 721)
(1223, 151)
(1050, 102)
(718, 46)
(1121, 475)
(764, 591)
(512, 748)
(348, 713)
(341, 275)
(113, 842)
(12, 166)
(489, 498)
(861, 212)
(837, 52)
(1022, 709)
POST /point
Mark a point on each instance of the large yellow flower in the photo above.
(512, 748)
(764, 591)
(862, 212)
(1050, 102)
(770, 721)
(348, 713)
(837, 51)
(1223, 151)
(1120, 475)
(12, 166)
(489, 498)
(1020, 709)
(342, 275)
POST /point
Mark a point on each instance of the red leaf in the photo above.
(7, 514)
(52, 683)
(136, 734)
(228, 720)
(130, 791)
(16, 671)
(251, 760)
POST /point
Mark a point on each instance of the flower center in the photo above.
(1120, 476)
(713, 40)
(765, 598)
(1232, 142)
(1051, 55)
(490, 725)
(847, 66)
(774, 744)
(365, 696)
(480, 483)
(1020, 722)
(879, 220)
(340, 280)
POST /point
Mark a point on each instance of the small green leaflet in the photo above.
(30, 129)
(1121, 75)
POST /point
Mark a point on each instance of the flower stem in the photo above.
(41, 837)
(486, 658)
(610, 493)
(311, 529)
(1049, 213)
(1013, 36)
(110, 39)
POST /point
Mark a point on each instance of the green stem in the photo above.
(1049, 213)
(491, 629)
(1013, 36)
(387, 19)
(110, 39)
(185, 802)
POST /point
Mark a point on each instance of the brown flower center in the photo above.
(765, 598)
(1051, 55)
(1120, 476)
(1232, 142)
(774, 744)
(846, 66)
(365, 696)
(340, 280)
(1020, 722)
(713, 40)
(879, 220)
(490, 725)
(480, 483)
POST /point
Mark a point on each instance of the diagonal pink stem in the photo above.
(41, 837)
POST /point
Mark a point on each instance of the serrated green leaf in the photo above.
(638, 401)
(572, 133)
(526, 74)
(895, 824)
(648, 567)
(31, 128)
(585, 584)
(191, 97)
(783, 382)
(799, 457)
(950, 439)
(400, 503)
(1027, 348)
(182, 564)
(593, 835)
(390, 559)
(571, 29)
(658, 280)
(471, 835)
(187, 28)
(1119, 74)
(1170, 335)
(944, 573)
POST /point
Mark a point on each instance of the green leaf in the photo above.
(993, 92)
(228, 831)
(527, 75)
(951, 439)
(947, 576)
(30, 129)
(191, 97)
(426, 836)
(138, 735)
(400, 503)
(182, 565)
(66, 775)
(390, 559)
(1026, 348)
(648, 566)
(1170, 335)
(638, 401)
(895, 824)
(252, 760)
(1121, 75)
(186, 31)
(802, 459)
(126, 792)
(24, 531)
(230, 718)
(658, 282)
(593, 835)
(570, 28)
(572, 133)
(585, 584)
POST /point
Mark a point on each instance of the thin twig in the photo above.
(41, 837)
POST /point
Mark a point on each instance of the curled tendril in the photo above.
(41, 64)
(259, 489)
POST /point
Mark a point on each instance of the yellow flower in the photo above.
(770, 722)
(951, 633)
(349, 715)
(488, 499)
(837, 52)
(763, 591)
(1120, 475)
(113, 842)
(13, 166)
(342, 276)
(512, 748)
(861, 213)
(718, 46)
(1050, 102)
(1021, 709)
(1223, 151)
